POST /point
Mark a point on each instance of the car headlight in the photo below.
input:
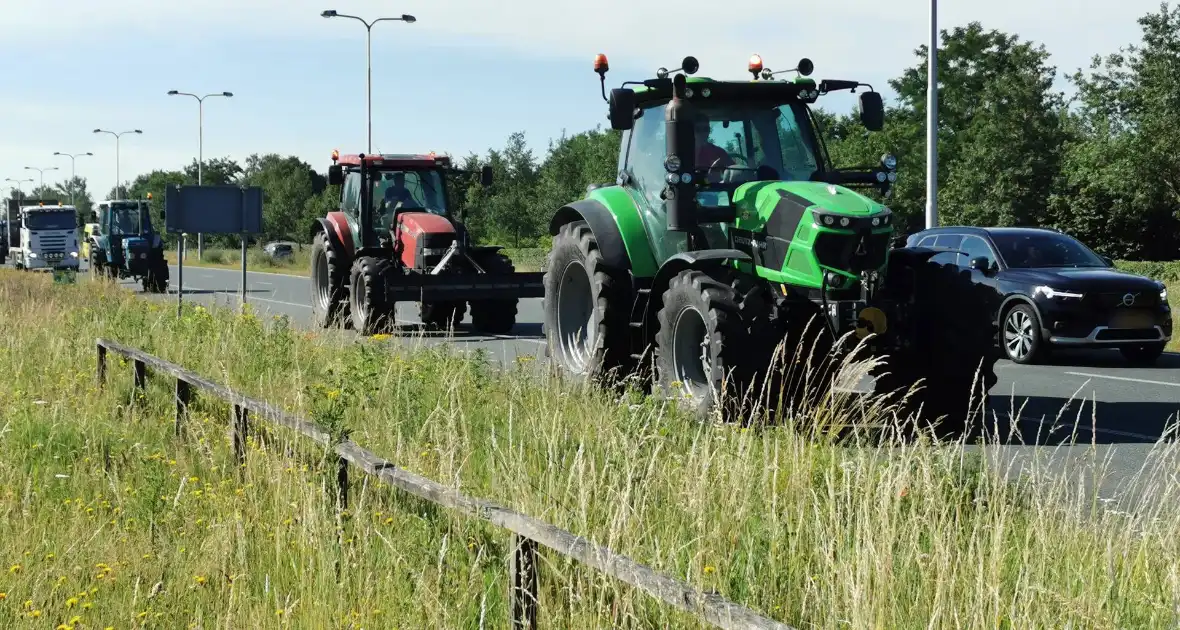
(32, 254)
(1051, 293)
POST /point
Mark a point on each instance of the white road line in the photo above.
(1124, 378)
(251, 299)
(239, 271)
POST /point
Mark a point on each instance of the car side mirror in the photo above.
(622, 108)
(981, 263)
(335, 175)
(485, 176)
(872, 110)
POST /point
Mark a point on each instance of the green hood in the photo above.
(756, 201)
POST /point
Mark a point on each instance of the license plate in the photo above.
(1132, 319)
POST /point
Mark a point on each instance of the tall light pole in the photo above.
(118, 181)
(73, 171)
(408, 19)
(42, 172)
(932, 120)
(200, 147)
(18, 183)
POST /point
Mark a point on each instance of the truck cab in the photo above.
(48, 238)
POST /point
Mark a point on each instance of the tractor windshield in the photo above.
(125, 219)
(51, 220)
(756, 141)
(414, 189)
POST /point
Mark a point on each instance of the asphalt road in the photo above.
(1087, 407)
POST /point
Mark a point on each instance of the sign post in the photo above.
(213, 210)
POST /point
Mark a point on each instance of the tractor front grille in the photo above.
(431, 249)
(852, 252)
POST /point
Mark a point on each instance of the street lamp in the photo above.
(42, 171)
(200, 147)
(408, 19)
(72, 170)
(932, 120)
(118, 181)
(18, 183)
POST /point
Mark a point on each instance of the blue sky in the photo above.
(462, 78)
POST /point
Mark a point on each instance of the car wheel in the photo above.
(1144, 354)
(1020, 335)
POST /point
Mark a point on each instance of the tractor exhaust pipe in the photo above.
(680, 192)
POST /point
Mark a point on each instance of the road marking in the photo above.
(248, 270)
(252, 299)
(1124, 378)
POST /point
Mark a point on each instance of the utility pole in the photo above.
(118, 181)
(200, 148)
(408, 19)
(73, 174)
(932, 120)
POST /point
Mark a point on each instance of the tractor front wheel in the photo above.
(329, 293)
(371, 312)
(702, 345)
(156, 280)
(585, 307)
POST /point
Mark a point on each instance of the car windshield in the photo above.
(415, 189)
(51, 220)
(757, 140)
(1036, 250)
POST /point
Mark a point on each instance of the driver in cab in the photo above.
(398, 193)
(709, 155)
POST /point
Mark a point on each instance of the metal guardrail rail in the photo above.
(527, 532)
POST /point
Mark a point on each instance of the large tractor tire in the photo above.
(329, 284)
(585, 308)
(156, 280)
(495, 317)
(442, 315)
(370, 311)
(702, 345)
(950, 359)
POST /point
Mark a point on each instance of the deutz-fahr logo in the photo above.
(748, 242)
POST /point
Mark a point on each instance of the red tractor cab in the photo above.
(394, 239)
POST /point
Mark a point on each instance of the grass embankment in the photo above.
(525, 259)
(108, 519)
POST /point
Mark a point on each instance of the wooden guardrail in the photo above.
(526, 531)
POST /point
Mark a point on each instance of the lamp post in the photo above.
(118, 181)
(408, 19)
(18, 183)
(73, 171)
(200, 146)
(42, 172)
(932, 120)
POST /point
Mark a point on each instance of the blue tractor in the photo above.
(124, 245)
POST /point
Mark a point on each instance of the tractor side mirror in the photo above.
(485, 176)
(335, 175)
(981, 264)
(622, 108)
(161, 214)
(872, 111)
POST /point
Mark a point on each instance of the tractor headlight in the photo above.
(686, 178)
(881, 176)
(844, 221)
(672, 178)
(1051, 293)
(73, 254)
(889, 161)
(672, 164)
(32, 254)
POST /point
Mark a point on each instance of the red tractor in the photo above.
(394, 240)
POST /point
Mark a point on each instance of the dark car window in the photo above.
(948, 241)
(1031, 250)
(927, 242)
(974, 247)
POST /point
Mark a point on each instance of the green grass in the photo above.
(107, 516)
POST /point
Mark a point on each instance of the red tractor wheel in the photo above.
(371, 311)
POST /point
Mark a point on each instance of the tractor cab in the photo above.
(123, 237)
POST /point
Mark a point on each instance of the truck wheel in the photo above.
(702, 345)
(371, 313)
(442, 315)
(329, 293)
(496, 317)
(585, 307)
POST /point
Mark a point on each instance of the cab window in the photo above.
(351, 195)
(974, 247)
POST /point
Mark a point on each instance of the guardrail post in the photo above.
(140, 374)
(101, 370)
(240, 425)
(522, 593)
(183, 396)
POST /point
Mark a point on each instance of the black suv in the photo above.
(1050, 290)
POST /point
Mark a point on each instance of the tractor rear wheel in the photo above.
(496, 317)
(329, 290)
(585, 307)
(370, 311)
(442, 315)
(702, 345)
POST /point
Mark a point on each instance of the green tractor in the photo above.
(734, 256)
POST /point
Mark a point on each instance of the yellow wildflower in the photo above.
(14, 568)
(200, 579)
(71, 602)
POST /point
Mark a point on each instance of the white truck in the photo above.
(47, 239)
